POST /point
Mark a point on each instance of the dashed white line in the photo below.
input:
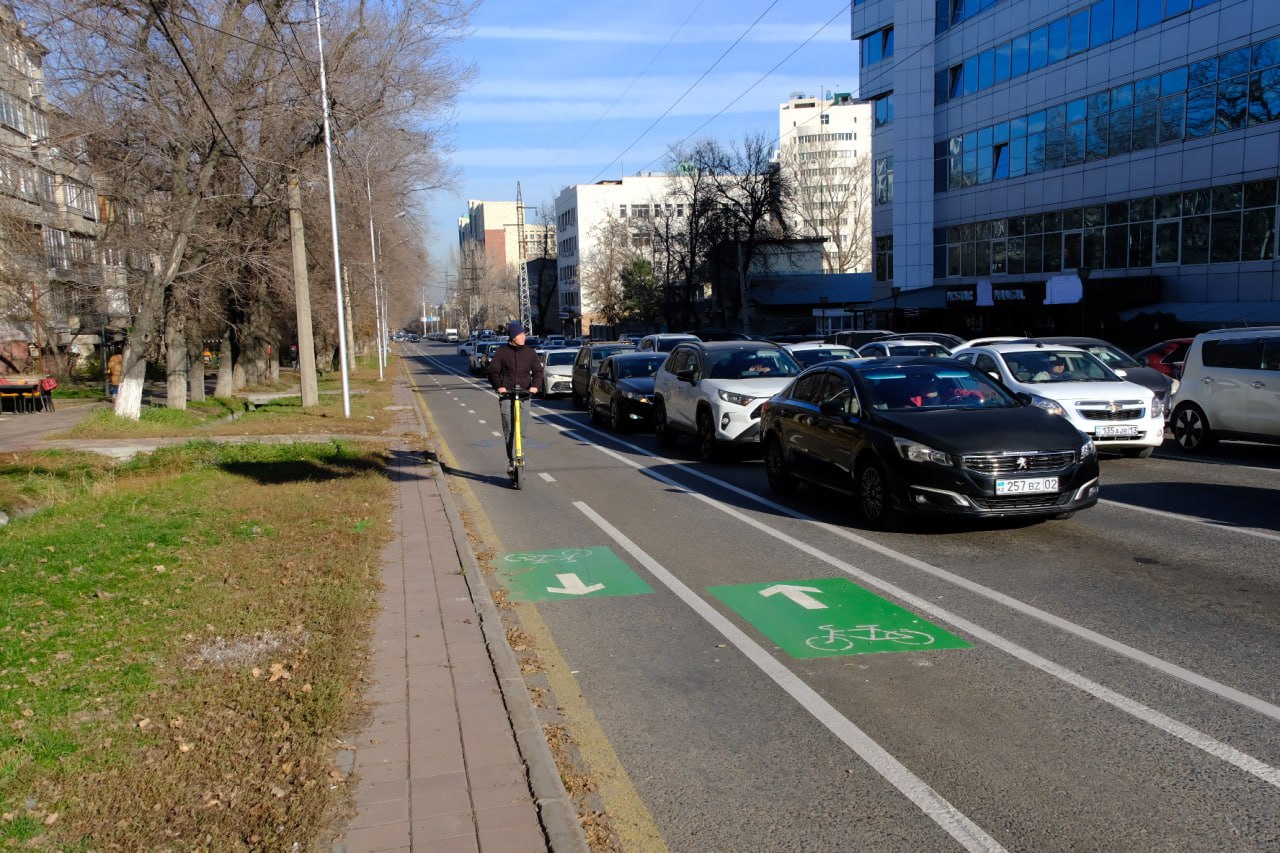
(546, 477)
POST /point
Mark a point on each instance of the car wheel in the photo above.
(708, 447)
(617, 420)
(1191, 429)
(662, 428)
(1139, 452)
(593, 411)
(775, 467)
(874, 500)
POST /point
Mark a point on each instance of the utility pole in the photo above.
(523, 303)
(302, 298)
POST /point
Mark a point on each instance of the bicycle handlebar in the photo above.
(516, 393)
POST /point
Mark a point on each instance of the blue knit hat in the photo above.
(515, 327)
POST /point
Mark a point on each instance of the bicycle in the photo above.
(842, 639)
(517, 396)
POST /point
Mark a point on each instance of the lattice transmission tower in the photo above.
(522, 294)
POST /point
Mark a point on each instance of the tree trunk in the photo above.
(175, 349)
(226, 379)
(195, 362)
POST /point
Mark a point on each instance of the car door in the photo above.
(683, 397)
(1264, 392)
(602, 385)
(799, 423)
(839, 431)
(1231, 366)
(581, 370)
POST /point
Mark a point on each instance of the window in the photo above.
(57, 248)
(826, 118)
(884, 180)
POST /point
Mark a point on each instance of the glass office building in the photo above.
(1023, 145)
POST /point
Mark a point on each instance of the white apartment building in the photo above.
(494, 225)
(1129, 145)
(582, 210)
(824, 148)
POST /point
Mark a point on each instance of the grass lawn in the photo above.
(183, 636)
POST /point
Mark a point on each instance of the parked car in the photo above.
(947, 340)
(855, 338)
(815, 352)
(712, 390)
(1230, 389)
(1166, 356)
(554, 341)
(887, 348)
(557, 369)
(1120, 416)
(466, 348)
(622, 390)
(1125, 366)
(483, 353)
(992, 339)
(664, 342)
(587, 361)
(977, 451)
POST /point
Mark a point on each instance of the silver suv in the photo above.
(1230, 389)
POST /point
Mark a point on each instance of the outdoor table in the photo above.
(24, 397)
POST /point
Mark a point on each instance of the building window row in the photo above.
(568, 247)
(642, 211)
(816, 138)
(1100, 23)
(567, 274)
(952, 13)
(13, 112)
(1237, 89)
(884, 180)
(877, 46)
(1231, 223)
(81, 198)
(568, 219)
(17, 178)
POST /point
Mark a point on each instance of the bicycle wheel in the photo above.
(829, 644)
(908, 637)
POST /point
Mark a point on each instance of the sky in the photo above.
(586, 90)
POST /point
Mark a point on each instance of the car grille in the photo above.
(561, 387)
(1018, 463)
(1020, 501)
(1120, 410)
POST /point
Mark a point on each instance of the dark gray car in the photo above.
(1125, 365)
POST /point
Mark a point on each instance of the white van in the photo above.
(451, 336)
(1230, 389)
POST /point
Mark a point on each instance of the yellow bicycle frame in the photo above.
(516, 451)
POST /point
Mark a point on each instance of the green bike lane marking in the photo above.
(826, 617)
(568, 573)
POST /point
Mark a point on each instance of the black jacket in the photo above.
(515, 366)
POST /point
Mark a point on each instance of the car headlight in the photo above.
(1157, 407)
(632, 395)
(736, 399)
(915, 452)
(1173, 388)
(1053, 407)
(1087, 449)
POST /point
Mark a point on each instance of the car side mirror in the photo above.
(685, 375)
(836, 408)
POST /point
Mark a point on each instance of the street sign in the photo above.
(568, 573)
(826, 617)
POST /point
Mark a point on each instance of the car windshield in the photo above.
(921, 350)
(1057, 366)
(925, 387)
(639, 368)
(1111, 357)
(751, 364)
(599, 354)
(560, 358)
(810, 357)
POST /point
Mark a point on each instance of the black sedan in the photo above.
(622, 390)
(925, 435)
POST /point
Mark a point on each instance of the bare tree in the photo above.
(831, 198)
(601, 269)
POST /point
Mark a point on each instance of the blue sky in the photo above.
(547, 107)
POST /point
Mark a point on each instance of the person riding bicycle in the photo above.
(513, 365)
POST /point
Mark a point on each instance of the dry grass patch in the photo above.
(180, 654)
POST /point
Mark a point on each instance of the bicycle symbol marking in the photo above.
(842, 639)
(568, 555)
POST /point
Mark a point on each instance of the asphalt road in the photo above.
(1115, 687)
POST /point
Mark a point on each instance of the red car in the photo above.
(1166, 356)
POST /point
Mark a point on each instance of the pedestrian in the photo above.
(513, 366)
(115, 370)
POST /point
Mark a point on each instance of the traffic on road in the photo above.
(739, 667)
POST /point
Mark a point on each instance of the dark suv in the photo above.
(590, 356)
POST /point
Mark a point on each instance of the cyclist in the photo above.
(513, 365)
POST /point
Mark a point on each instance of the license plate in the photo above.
(1117, 430)
(1027, 486)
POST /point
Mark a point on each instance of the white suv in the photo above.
(1118, 415)
(1230, 389)
(713, 390)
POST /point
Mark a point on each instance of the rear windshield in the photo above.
(810, 357)
(559, 358)
(638, 368)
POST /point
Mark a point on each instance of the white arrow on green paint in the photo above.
(798, 594)
(572, 585)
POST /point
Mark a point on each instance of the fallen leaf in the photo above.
(51, 819)
(144, 722)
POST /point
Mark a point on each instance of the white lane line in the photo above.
(484, 422)
(1208, 522)
(495, 432)
(1169, 668)
(546, 477)
(471, 411)
(934, 805)
(1150, 716)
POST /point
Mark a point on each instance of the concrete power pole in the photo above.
(302, 298)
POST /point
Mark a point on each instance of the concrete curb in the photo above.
(555, 807)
